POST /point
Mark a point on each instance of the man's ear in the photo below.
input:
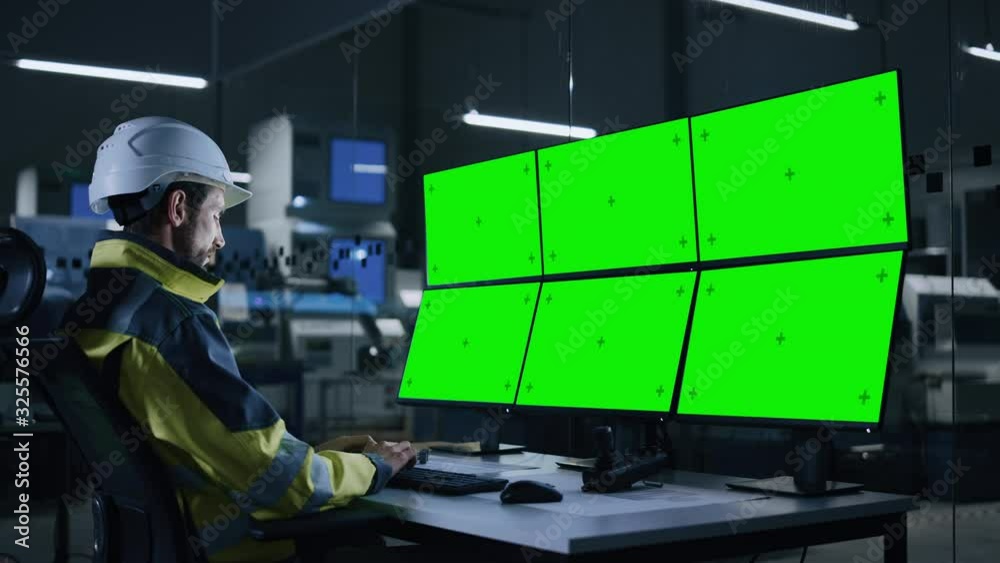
(176, 208)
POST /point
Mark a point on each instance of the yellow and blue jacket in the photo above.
(226, 447)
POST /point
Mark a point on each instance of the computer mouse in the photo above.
(529, 492)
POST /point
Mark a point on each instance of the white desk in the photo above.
(585, 527)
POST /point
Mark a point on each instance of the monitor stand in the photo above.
(489, 442)
(812, 478)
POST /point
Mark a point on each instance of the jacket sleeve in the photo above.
(193, 398)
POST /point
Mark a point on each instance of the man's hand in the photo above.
(398, 455)
(351, 444)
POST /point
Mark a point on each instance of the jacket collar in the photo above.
(117, 249)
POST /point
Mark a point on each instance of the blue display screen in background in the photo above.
(79, 202)
(357, 171)
(364, 262)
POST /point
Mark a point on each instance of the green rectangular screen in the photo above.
(607, 343)
(804, 340)
(617, 201)
(482, 221)
(809, 171)
(468, 344)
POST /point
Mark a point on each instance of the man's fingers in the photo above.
(402, 447)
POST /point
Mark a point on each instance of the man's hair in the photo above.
(195, 194)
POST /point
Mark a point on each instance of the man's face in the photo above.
(200, 236)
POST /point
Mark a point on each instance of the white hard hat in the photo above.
(150, 153)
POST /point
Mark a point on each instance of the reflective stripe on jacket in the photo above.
(225, 446)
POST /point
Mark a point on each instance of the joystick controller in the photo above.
(611, 472)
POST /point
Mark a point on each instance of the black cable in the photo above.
(804, 550)
(986, 21)
(754, 558)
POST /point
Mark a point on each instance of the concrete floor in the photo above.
(977, 538)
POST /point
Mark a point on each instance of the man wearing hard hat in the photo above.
(168, 184)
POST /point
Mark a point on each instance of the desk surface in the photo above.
(584, 523)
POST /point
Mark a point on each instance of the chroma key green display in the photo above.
(468, 344)
(804, 340)
(607, 343)
(594, 307)
(617, 201)
(810, 171)
(482, 221)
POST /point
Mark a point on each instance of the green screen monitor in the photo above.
(618, 201)
(609, 344)
(482, 221)
(800, 343)
(468, 345)
(810, 171)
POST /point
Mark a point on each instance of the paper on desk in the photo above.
(643, 499)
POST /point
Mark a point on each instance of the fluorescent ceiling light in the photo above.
(411, 297)
(114, 73)
(369, 168)
(789, 12)
(987, 53)
(242, 177)
(476, 118)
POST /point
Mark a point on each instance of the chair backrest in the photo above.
(134, 499)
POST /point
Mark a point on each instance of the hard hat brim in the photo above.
(235, 195)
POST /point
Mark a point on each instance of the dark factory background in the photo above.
(399, 82)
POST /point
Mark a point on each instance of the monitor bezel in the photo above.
(734, 420)
(497, 281)
(699, 266)
(843, 251)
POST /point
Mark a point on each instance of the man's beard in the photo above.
(184, 246)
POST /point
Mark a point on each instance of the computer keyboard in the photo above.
(444, 482)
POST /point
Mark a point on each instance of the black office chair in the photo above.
(136, 516)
